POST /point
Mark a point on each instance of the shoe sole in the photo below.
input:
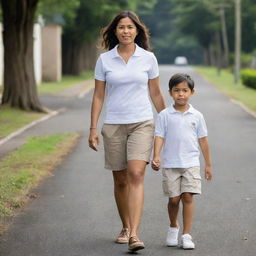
(188, 248)
(137, 248)
(172, 244)
(120, 242)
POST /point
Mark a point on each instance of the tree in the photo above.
(79, 38)
(19, 81)
(20, 90)
(167, 39)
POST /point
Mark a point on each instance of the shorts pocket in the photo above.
(165, 182)
(165, 186)
(108, 130)
(196, 176)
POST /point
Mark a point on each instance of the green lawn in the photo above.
(24, 168)
(12, 119)
(225, 82)
(67, 81)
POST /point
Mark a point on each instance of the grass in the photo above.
(67, 81)
(24, 168)
(12, 119)
(225, 82)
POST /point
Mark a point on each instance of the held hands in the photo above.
(208, 173)
(93, 139)
(156, 163)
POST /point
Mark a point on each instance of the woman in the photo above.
(129, 74)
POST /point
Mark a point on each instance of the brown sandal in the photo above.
(123, 237)
(135, 244)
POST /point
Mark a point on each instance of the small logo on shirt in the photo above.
(193, 123)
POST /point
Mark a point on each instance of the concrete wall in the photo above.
(38, 53)
(1, 55)
(51, 53)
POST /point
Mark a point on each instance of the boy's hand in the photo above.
(208, 173)
(155, 164)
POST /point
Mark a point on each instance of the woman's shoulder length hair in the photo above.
(108, 33)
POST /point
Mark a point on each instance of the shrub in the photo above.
(248, 77)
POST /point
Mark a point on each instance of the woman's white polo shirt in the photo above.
(127, 95)
(181, 132)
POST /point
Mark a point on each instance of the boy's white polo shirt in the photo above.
(181, 132)
(127, 96)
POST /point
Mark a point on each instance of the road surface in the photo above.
(75, 213)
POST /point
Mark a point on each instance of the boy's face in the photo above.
(181, 93)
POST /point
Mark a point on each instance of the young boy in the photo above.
(181, 129)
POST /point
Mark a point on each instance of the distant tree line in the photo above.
(202, 30)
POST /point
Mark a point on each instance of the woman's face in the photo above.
(126, 31)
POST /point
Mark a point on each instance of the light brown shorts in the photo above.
(180, 180)
(124, 142)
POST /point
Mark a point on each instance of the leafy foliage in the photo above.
(248, 77)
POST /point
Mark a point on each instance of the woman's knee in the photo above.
(136, 176)
(120, 179)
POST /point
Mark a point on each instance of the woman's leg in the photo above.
(173, 209)
(135, 171)
(121, 196)
(188, 209)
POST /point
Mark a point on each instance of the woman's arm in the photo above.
(97, 103)
(156, 94)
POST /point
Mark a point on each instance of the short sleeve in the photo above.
(202, 129)
(99, 73)
(154, 70)
(160, 128)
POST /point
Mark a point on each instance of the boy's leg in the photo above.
(173, 209)
(188, 209)
(173, 230)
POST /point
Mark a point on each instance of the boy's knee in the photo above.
(187, 198)
(174, 201)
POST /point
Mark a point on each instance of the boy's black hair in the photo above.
(179, 78)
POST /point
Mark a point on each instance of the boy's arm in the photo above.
(203, 142)
(158, 144)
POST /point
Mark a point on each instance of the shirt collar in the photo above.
(172, 110)
(138, 51)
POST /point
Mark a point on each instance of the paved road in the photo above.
(75, 213)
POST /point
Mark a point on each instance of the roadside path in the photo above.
(75, 213)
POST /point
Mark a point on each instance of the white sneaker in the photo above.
(186, 242)
(172, 237)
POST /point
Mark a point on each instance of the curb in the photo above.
(84, 92)
(44, 118)
(24, 128)
(241, 105)
(236, 102)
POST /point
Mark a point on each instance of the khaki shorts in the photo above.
(124, 142)
(180, 180)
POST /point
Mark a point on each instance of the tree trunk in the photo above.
(76, 57)
(224, 37)
(218, 52)
(20, 88)
(237, 40)
(212, 56)
(71, 55)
